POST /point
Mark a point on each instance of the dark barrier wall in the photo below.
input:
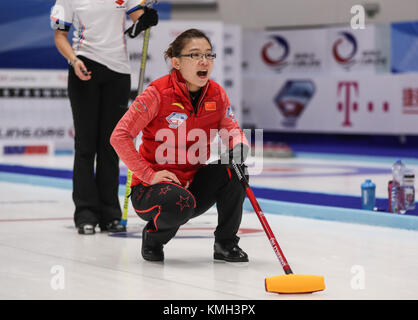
(27, 40)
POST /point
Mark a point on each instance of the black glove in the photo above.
(239, 153)
(148, 19)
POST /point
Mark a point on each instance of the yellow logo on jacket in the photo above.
(178, 104)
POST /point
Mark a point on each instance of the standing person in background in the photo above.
(99, 88)
(168, 191)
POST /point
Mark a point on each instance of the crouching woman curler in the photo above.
(176, 114)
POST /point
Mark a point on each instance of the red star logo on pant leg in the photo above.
(148, 195)
(140, 194)
(183, 203)
(164, 190)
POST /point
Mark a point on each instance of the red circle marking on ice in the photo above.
(240, 231)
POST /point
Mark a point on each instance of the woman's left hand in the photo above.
(81, 70)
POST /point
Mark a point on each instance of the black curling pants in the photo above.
(97, 106)
(167, 206)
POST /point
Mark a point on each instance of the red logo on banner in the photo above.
(279, 42)
(410, 100)
(351, 40)
(120, 2)
(349, 92)
(344, 91)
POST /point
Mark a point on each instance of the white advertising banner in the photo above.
(363, 51)
(34, 107)
(320, 51)
(372, 104)
(285, 52)
(407, 102)
(233, 68)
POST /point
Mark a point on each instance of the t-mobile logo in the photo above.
(344, 91)
(349, 91)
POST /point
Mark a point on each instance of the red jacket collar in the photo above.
(180, 84)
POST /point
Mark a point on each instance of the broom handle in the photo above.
(262, 218)
(124, 219)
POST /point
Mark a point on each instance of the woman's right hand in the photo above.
(164, 176)
(81, 70)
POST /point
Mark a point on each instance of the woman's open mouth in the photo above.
(203, 74)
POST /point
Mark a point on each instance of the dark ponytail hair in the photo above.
(180, 42)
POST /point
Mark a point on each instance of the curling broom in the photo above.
(124, 219)
(288, 283)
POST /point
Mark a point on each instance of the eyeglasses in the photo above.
(199, 56)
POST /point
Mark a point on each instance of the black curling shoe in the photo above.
(114, 226)
(151, 252)
(229, 252)
(86, 229)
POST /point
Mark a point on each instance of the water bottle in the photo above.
(396, 195)
(390, 196)
(368, 195)
(409, 189)
(398, 170)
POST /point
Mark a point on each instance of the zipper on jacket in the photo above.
(201, 99)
